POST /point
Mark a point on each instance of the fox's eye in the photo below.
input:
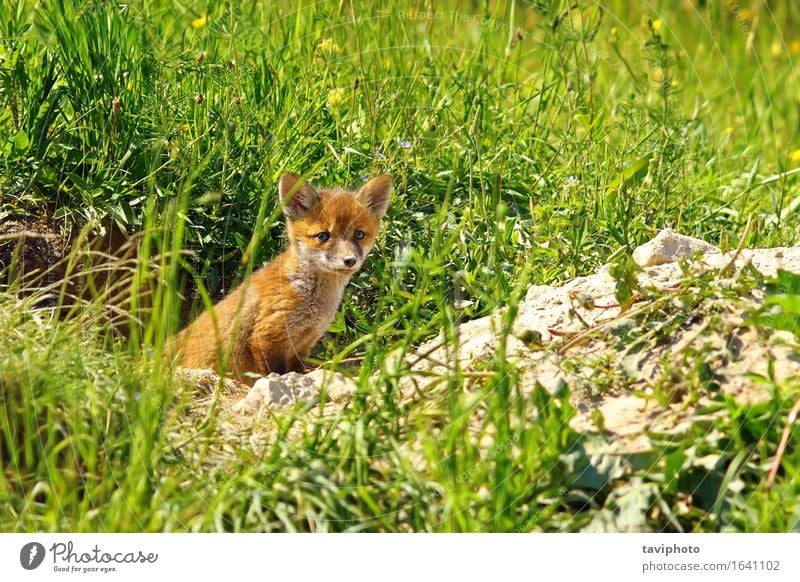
(359, 234)
(323, 236)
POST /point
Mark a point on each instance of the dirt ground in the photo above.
(32, 249)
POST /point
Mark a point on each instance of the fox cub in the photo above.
(271, 322)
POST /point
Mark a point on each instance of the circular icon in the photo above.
(31, 555)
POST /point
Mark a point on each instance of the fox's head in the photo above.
(333, 230)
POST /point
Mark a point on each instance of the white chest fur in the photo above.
(319, 299)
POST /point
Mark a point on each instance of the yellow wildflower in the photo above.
(336, 98)
(775, 48)
(327, 47)
(794, 47)
(185, 127)
(795, 156)
(657, 25)
(200, 22)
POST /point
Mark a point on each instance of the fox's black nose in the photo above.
(349, 261)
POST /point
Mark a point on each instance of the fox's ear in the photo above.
(375, 195)
(298, 197)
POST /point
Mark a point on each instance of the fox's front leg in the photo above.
(295, 362)
(266, 362)
(278, 360)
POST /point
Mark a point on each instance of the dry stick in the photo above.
(736, 254)
(584, 335)
(27, 234)
(425, 355)
(790, 420)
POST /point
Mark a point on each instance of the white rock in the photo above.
(338, 387)
(669, 246)
(279, 391)
(284, 390)
(769, 261)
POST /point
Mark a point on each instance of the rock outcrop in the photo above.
(569, 335)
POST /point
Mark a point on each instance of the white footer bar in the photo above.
(369, 557)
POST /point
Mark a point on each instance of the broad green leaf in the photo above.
(21, 141)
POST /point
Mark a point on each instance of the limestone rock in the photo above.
(285, 390)
(669, 246)
(277, 390)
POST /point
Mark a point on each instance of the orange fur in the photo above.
(271, 322)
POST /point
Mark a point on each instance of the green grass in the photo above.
(517, 161)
